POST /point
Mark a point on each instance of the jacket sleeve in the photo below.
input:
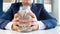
(6, 18)
(47, 19)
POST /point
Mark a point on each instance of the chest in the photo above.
(35, 10)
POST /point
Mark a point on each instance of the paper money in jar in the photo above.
(24, 18)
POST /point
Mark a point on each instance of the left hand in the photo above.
(33, 24)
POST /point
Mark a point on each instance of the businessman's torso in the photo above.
(35, 8)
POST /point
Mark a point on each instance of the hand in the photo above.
(33, 22)
(16, 22)
(15, 25)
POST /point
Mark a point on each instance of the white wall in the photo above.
(40, 1)
(55, 8)
(6, 6)
(59, 11)
(59, 14)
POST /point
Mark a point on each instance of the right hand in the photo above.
(15, 26)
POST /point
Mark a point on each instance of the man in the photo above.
(41, 19)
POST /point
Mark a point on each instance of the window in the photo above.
(7, 4)
(34, 1)
(48, 5)
(59, 14)
(8, 1)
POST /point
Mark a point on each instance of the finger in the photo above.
(32, 24)
(16, 28)
(16, 19)
(16, 24)
(17, 15)
(19, 28)
(33, 19)
(31, 14)
(36, 27)
(32, 27)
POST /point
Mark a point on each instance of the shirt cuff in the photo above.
(8, 26)
(41, 25)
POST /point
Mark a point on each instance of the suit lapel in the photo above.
(35, 10)
(16, 7)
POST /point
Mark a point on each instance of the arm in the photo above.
(47, 19)
(6, 18)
